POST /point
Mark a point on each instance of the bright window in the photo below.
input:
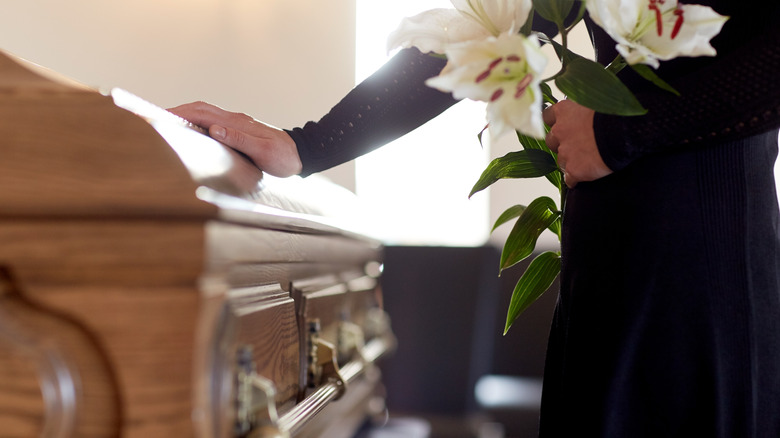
(418, 186)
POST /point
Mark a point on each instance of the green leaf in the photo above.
(520, 164)
(535, 281)
(533, 143)
(528, 27)
(509, 214)
(515, 211)
(537, 217)
(479, 136)
(556, 178)
(547, 93)
(553, 10)
(590, 84)
(648, 73)
(580, 14)
(555, 227)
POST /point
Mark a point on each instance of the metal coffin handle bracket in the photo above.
(351, 341)
(256, 415)
(323, 365)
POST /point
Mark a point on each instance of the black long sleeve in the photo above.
(390, 103)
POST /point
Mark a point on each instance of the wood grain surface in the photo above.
(121, 294)
(125, 298)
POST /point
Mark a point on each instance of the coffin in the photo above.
(154, 283)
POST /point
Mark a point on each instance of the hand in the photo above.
(270, 148)
(571, 137)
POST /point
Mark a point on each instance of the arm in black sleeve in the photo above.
(732, 96)
(390, 103)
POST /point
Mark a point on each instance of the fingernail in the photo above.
(218, 132)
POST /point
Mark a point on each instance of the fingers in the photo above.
(200, 113)
(569, 180)
(206, 115)
(219, 133)
(570, 176)
(231, 128)
(548, 115)
(571, 138)
(236, 139)
(552, 141)
(271, 149)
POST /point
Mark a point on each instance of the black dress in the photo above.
(668, 319)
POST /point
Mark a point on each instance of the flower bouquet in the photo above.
(494, 56)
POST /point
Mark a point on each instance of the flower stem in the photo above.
(564, 36)
(617, 64)
(564, 33)
(564, 189)
(580, 14)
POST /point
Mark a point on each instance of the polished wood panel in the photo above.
(67, 385)
(265, 319)
(139, 253)
(121, 294)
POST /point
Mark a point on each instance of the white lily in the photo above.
(433, 30)
(505, 72)
(647, 31)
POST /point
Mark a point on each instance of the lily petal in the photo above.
(433, 30)
(503, 71)
(616, 17)
(505, 115)
(497, 16)
(699, 26)
(647, 31)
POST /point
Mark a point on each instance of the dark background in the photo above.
(448, 308)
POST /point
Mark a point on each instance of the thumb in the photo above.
(217, 132)
(232, 137)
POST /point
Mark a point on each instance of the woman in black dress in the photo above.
(668, 319)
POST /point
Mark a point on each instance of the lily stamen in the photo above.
(485, 74)
(522, 86)
(677, 24)
(659, 24)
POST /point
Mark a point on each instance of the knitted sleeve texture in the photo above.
(731, 96)
(390, 103)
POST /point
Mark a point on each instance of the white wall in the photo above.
(282, 61)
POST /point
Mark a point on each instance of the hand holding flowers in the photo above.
(494, 56)
(573, 141)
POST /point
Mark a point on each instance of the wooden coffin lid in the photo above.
(68, 151)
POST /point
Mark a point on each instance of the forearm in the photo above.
(388, 104)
